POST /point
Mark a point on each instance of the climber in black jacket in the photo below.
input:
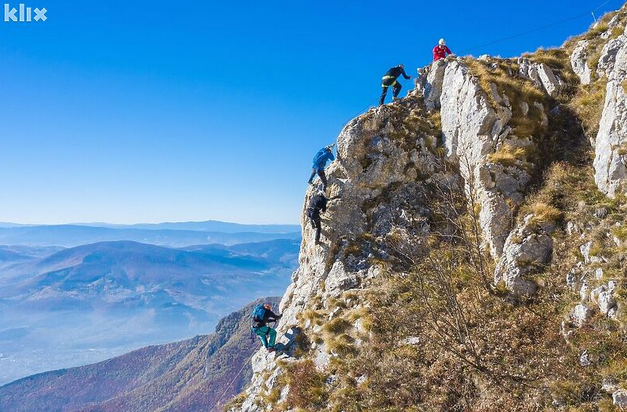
(317, 204)
(389, 79)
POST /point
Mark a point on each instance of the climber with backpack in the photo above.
(317, 204)
(262, 314)
(320, 162)
(390, 79)
(440, 51)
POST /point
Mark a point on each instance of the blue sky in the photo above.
(149, 111)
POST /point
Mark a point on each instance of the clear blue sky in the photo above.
(148, 111)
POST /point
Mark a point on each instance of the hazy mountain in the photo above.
(9, 224)
(91, 302)
(76, 235)
(190, 375)
(206, 226)
(23, 253)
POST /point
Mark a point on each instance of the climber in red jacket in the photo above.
(440, 51)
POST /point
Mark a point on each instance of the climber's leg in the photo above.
(396, 89)
(384, 92)
(313, 174)
(310, 213)
(318, 225)
(272, 334)
(323, 179)
(262, 332)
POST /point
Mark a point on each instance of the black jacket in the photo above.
(396, 72)
(318, 203)
(269, 316)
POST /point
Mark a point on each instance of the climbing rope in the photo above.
(217, 404)
(557, 23)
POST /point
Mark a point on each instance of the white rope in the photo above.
(217, 404)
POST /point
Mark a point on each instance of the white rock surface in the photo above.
(542, 76)
(433, 87)
(620, 398)
(603, 296)
(528, 250)
(580, 315)
(585, 251)
(376, 191)
(609, 164)
(584, 359)
(579, 62)
(608, 56)
(472, 129)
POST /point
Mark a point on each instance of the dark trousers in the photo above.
(323, 177)
(316, 223)
(396, 89)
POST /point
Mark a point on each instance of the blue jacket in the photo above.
(321, 158)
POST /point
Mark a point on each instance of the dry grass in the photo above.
(620, 232)
(307, 386)
(588, 103)
(508, 155)
(336, 326)
(543, 213)
(599, 29)
(517, 89)
(558, 60)
(315, 317)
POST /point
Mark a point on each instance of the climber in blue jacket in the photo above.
(320, 162)
(262, 314)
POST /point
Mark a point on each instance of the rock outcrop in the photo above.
(579, 62)
(542, 76)
(611, 142)
(527, 251)
(392, 163)
(472, 130)
(605, 66)
(386, 169)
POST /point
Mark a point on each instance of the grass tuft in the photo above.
(508, 155)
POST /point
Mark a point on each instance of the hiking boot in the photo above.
(272, 349)
(396, 99)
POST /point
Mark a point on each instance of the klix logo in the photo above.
(24, 14)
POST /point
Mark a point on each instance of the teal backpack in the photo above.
(258, 313)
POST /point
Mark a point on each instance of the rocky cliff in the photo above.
(473, 255)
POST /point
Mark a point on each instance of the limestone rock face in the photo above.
(527, 250)
(611, 141)
(579, 62)
(542, 76)
(608, 56)
(472, 130)
(433, 86)
(381, 186)
(378, 188)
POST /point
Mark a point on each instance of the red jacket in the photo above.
(439, 52)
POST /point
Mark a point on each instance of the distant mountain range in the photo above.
(166, 234)
(191, 375)
(91, 302)
(205, 226)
